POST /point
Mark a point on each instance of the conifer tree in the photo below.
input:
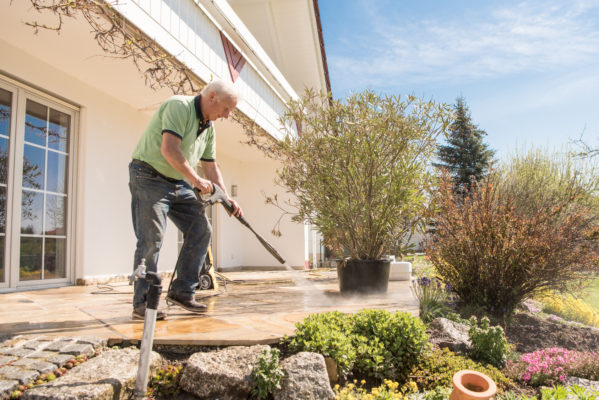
(465, 157)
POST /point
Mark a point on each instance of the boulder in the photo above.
(223, 374)
(450, 334)
(305, 378)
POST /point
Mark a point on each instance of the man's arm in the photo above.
(213, 174)
(172, 153)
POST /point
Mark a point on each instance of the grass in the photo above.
(590, 294)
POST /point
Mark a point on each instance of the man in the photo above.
(161, 179)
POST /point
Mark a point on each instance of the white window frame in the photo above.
(21, 93)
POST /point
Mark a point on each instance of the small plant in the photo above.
(438, 393)
(387, 391)
(165, 381)
(551, 366)
(555, 393)
(434, 298)
(437, 367)
(488, 342)
(267, 374)
(509, 395)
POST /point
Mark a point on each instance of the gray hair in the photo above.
(222, 89)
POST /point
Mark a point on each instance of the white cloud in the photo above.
(531, 36)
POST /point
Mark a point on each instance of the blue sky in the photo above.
(529, 70)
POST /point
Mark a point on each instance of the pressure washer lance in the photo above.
(145, 349)
(218, 196)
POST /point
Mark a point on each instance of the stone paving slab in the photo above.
(24, 376)
(108, 376)
(6, 359)
(7, 386)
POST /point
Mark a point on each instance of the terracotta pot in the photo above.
(363, 276)
(472, 385)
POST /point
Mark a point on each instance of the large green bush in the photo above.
(516, 232)
(437, 367)
(372, 344)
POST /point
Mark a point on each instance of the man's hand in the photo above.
(204, 185)
(237, 210)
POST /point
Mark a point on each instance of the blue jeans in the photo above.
(153, 198)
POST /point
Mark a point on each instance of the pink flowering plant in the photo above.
(551, 366)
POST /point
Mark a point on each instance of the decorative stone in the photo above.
(305, 378)
(60, 359)
(223, 374)
(42, 354)
(34, 364)
(7, 386)
(78, 350)
(6, 359)
(22, 375)
(37, 344)
(452, 335)
(105, 377)
(58, 345)
(96, 342)
(19, 352)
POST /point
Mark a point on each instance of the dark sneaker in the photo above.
(186, 302)
(139, 313)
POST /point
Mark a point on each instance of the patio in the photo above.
(254, 308)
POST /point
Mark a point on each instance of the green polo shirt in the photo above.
(180, 116)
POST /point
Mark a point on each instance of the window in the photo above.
(36, 135)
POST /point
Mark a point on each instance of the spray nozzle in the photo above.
(140, 272)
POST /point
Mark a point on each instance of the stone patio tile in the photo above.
(7, 386)
(22, 375)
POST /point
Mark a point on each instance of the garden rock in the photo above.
(587, 384)
(305, 378)
(450, 334)
(105, 377)
(224, 374)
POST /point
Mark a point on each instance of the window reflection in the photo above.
(56, 209)
(33, 167)
(55, 258)
(57, 172)
(2, 209)
(30, 267)
(5, 109)
(31, 213)
(35, 123)
(58, 135)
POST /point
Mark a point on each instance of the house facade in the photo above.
(71, 114)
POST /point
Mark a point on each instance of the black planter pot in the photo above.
(363, 276)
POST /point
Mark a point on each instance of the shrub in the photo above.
(489, 344)
(434, 298)
(372, 343)
(437, 368)
(570, 308)
(328, 334)
(551, 366)
(387, 345)
(266, 376)
(495, 248)
(358, 169)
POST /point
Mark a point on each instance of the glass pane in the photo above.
(1, 258)
(5, 108)
(33, 167)
(30, 267)
(58, 136)
(2, 209)
(56, 208)
(57, 172)
(35, 123)
(31, 212)
(3, 160)
(55, 258)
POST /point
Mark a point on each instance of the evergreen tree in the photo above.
(465, 157)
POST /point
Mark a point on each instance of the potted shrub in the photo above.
(358, 172)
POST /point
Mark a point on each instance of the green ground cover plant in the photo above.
(371, 344)
(437, 367)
